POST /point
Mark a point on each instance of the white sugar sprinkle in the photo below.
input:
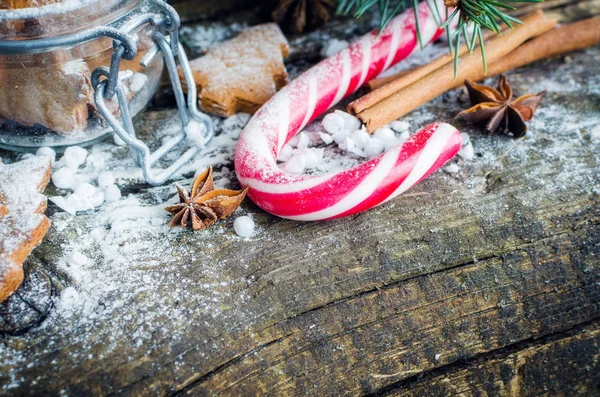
(244, 226)
(112, 193)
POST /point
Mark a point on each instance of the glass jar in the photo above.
(46, 92)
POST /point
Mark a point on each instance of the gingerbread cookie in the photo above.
(3, 209)
(241, 74)
(18, 4)
(23, 224)
(58, 95)
(48, 95)
(55, 89)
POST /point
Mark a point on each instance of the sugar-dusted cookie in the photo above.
(22, 220)
(3, 209)
(241, 74)
(17, 4)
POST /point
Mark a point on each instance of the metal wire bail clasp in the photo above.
(166, 42)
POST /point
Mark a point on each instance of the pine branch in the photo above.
(387, 9)
(473, 15)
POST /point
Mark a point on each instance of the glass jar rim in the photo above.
(48, 9)
(61, 18)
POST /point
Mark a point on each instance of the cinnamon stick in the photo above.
(442, 79)
(567, 38)
(381, 81)
(525, 54)
(396, 84)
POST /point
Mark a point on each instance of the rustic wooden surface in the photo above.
(483, 283)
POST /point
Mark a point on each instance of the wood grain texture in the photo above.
(564, 366)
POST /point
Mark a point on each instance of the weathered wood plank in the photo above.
(458, 313)
(475, 266)
(564, 366)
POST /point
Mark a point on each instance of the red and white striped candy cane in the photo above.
(311, 198)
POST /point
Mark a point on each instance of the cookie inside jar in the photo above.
(46, 96)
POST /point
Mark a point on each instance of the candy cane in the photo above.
(310, 198)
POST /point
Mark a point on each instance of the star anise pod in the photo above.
(497, 110)
(297, 15)
(203, 206)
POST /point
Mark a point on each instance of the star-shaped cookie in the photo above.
(241, 74)
(22, 220)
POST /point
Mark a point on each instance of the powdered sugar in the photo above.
(332, 47)
(64, 178)
(338, 142)
(595, 133)
(22, 204)
(201, 37)
(244, 226)
(98, 255)
(14, 231)
(129, 280)
(113, 256)
(21, 181)
(195, 133)
(49, 8)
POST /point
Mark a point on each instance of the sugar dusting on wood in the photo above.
(122, 265)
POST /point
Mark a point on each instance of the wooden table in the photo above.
(484, 282)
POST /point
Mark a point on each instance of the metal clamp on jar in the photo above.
(69, 71)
